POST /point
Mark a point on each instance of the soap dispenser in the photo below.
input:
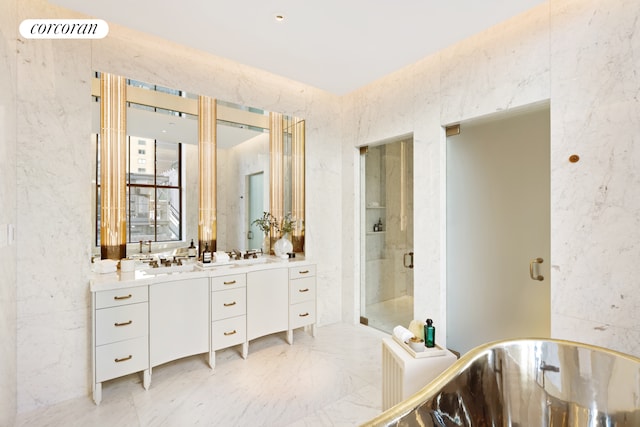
(206, 255)
(429, 334)
(192, 251)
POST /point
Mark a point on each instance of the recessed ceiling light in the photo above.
(279, 18)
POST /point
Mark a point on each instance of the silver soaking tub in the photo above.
(526, 383)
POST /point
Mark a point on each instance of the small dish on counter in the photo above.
(416, 344)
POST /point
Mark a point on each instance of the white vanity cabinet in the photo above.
(120, 323)
(179, 319)
(228, 313)
(140, 325)
(302, 299)
(267, 302)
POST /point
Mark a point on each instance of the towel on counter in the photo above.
(220, 256)
(104, 266)
(402, 333)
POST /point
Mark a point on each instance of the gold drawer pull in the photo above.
(121, 298)
(303, 315)
(303, 290)
(229, 304)
(123, 323)
(230, 333)
(124, 359)
(303, 272)
(229, 283)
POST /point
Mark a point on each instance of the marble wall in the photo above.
(583, 56)
(595, 113)
(8, 293)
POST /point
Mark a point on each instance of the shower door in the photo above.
(386, 235)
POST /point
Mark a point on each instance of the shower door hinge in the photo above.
(364, 150)
(453, 130)
(364, 320)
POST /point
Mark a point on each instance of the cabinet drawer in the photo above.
(228, 332)
(122, 358)
(228, 282)
(229, 303)
(121, 323)
(302, 314)
(119, 297)
(302, 290)
(302, 271)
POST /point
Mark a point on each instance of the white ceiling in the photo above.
(335, 45)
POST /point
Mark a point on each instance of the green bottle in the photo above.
(429, 334)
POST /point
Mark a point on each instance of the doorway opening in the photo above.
(255, 208)
(386, 234)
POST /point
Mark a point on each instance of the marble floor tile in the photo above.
(388, 314)
(333, 379)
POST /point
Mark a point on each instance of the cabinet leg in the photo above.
(313, 330)
(290, 336)
(245, 350)
(97, 393)
(146, 379)
(212, 359)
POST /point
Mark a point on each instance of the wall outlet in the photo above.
(7, 235)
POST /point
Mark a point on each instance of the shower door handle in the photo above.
(531, 264)
(404, 261)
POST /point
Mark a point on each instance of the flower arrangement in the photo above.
(266, 222)
(286, 225)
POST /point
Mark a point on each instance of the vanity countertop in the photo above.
(116, 280)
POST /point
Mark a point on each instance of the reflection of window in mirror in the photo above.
(154, 193)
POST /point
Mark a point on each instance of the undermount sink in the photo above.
(251, 261)
(169, 269)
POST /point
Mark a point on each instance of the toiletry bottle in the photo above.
(380, 228)
(429, 334)
(192, 251)
(206, 255)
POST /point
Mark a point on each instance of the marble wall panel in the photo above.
(54, 173)
(8, 197)
(501, 68)
(596, 202)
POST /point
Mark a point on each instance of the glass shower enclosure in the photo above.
(386, 235)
